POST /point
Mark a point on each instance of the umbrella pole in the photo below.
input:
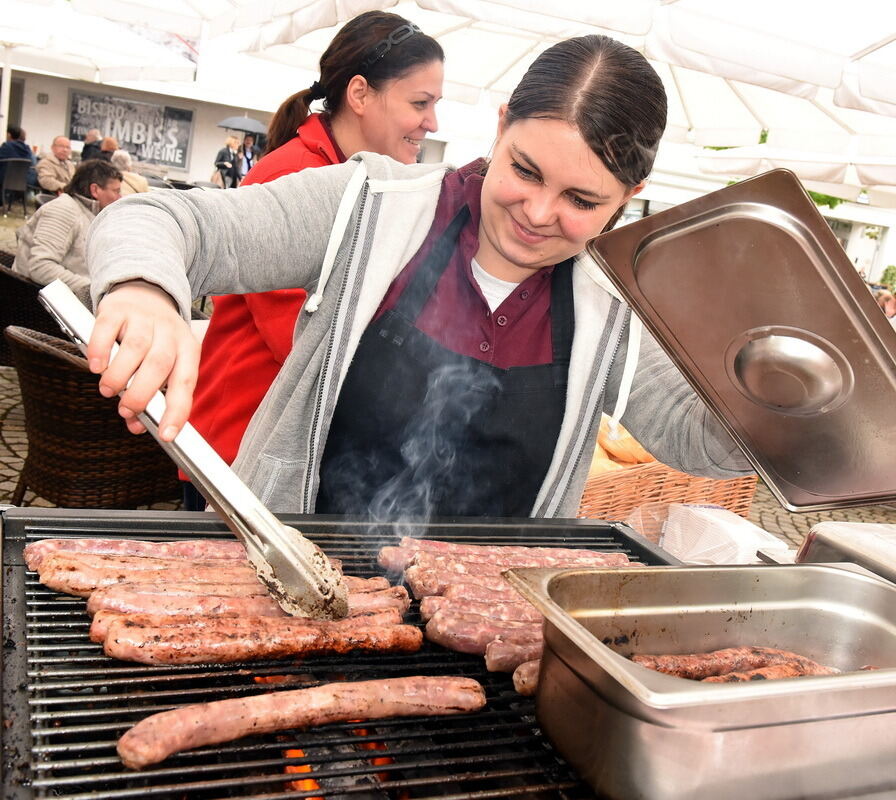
(5, 84)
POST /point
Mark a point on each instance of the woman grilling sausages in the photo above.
(380, 79)
(458, 343)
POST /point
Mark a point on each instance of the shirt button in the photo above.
(524, 295)
(484, 347)
(502, 320)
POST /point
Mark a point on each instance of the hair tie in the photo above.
(317, 91)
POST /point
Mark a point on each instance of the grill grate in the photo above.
(65, 703)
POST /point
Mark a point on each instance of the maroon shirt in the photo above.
(457, 316)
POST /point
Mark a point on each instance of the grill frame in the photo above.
(33, 677)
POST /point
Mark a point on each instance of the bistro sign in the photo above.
(149, 132)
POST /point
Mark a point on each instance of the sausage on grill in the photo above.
(423, 582)
(525, 677)
(471, 633)
(82, 573)
(117, 596)
(486, 551)
(397, 559)
(155, 738)
(235, 625)
(505, 656)
(698, 666)
(495, 565)
(195, 549)
(63, 573)
(481, 594)
(126, 601)
(293, 636)
(522, 611)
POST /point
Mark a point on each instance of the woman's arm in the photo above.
(666, 416)
(192, 243)
(221, 160)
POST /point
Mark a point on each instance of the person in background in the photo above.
(51, 243)
(460, 342)
(887, 303)
(91, 147)
(131, 182)
(227, 162)
(108, 146)
(56, 169)
(15, 146)
(249, 153)
(384, 104)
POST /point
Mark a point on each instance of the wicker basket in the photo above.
(613, 495)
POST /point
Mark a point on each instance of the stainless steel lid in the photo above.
(751, 294)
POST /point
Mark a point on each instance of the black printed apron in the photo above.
(420, 430)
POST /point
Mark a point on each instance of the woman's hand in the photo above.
(156, 348)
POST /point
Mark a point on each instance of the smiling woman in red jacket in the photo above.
(380, 79)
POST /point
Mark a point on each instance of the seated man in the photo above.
(54, 171)
(15, 146)
(52, 241)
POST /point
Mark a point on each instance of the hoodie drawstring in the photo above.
(340, 223)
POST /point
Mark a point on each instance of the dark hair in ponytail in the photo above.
(607, 91)
(349, 54)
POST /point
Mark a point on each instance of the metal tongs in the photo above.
(295, 571)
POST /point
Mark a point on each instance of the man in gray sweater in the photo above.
(51, 244)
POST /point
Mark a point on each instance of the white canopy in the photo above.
(792, 74)
(797, 46)
(813, 76)
(51, 37)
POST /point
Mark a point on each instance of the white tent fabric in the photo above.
(52, 37)
(819, 78)
(49, 36)
(797, 46)
(735, 73)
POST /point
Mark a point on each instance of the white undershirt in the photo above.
(493, 289)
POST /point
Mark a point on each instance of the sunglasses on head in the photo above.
(380, 49)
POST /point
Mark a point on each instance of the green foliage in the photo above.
(826, 199)
(888, 279)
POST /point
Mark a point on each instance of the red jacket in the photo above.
(250, 335)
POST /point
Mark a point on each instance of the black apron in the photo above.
(420, 430)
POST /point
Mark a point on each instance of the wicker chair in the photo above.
(80, 454)
(20, 306)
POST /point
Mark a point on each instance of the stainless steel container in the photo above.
(635, 733)
(868, 544)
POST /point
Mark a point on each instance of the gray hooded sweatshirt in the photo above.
(344, 233)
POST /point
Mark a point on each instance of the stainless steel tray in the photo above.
(751, 294)
(632, 732)
(868, 544)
